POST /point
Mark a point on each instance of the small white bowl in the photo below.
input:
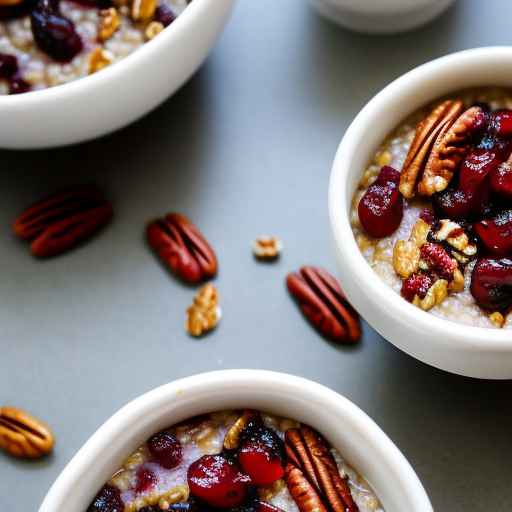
(381, 16)
(114, 97)
(350, 430)
(458, 348)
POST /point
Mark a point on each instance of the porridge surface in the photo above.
(41, 71)
(459, 307)
(205, 436)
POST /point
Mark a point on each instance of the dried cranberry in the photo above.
(145, 479)
(217, 481)
(164, 14)
(438, 260)
(453, 204)
(496, 233)
(501, 180)
(381, 207)
(107, 500)
(8, 65)
(476, 167)
(417, 284)
(166, 449)
(53, 33)
(491, 283)
(500, 123)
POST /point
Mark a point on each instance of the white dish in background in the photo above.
(118, 95)
(344, 425)
(462, 349)
(381, 16)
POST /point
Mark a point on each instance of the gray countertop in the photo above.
(244, 148)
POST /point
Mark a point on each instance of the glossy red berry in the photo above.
(8, 65)
(501, 180)
(164, 14)
(438, 260)
(496, 234)
(381, 207)
(166, 449)
(217, 481)
(500, 123)
(491, 283)
(262, 466)
(107, 500)
(145, 479)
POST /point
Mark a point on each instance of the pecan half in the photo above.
(303, 493)
(308, 451)
(427, 132)
(61, 221)
(449, 149)
(324, 304)
(182, 247)
(22, 435)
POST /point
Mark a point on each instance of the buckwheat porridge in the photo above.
(433, 211)
(44, 43)
(241, 461)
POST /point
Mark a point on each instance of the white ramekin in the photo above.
(101, 103)
(459, 348)
(381, 16)
(349, 429)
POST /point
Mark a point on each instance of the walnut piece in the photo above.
(406, 254)
(497, 319)
(454, 234)
(267, 247)
(204, 314)
(435, 295)
(109, 23)
(99, 59)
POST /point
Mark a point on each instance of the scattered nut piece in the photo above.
(22, 435)
(232, 437)
(143, 9)
(267, 492)
(109, 23)
(383, 158)
(435, 295)
(99, 59)
(456, 285)
(497, 319)
(406, 258)
(204, 314)
(267, 247)
(178, 494)
(153, 29)
(419, 232)
(455, 235)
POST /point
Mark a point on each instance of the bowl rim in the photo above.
(194, 11)
(204, 384)
(461, 335)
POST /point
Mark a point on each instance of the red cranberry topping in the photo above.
(438, 260)
(53, 33)
(381, 207)
(501, 180)
(107, 500)
(476, 167)
(164, 14)
(491, 283)
(145, 480)
(417, 284)
(500, 123)
(218, 482)
(8, 65)
(496, 233)
(257, 460)
(166, 449)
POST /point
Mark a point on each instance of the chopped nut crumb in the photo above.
(497, 319)
(99, 59)
(267, 247)
(153, 29)
(204, 314)
(383, 158)
(109, 23)
(143, 9)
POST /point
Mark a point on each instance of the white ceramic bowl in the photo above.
(101, 103)
(458, 348)
(381, 16)
(357, 437)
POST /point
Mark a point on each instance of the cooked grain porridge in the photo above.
(52, 42)
(463, 219)
(243, 461)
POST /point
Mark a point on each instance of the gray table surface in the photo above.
(244, 148)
